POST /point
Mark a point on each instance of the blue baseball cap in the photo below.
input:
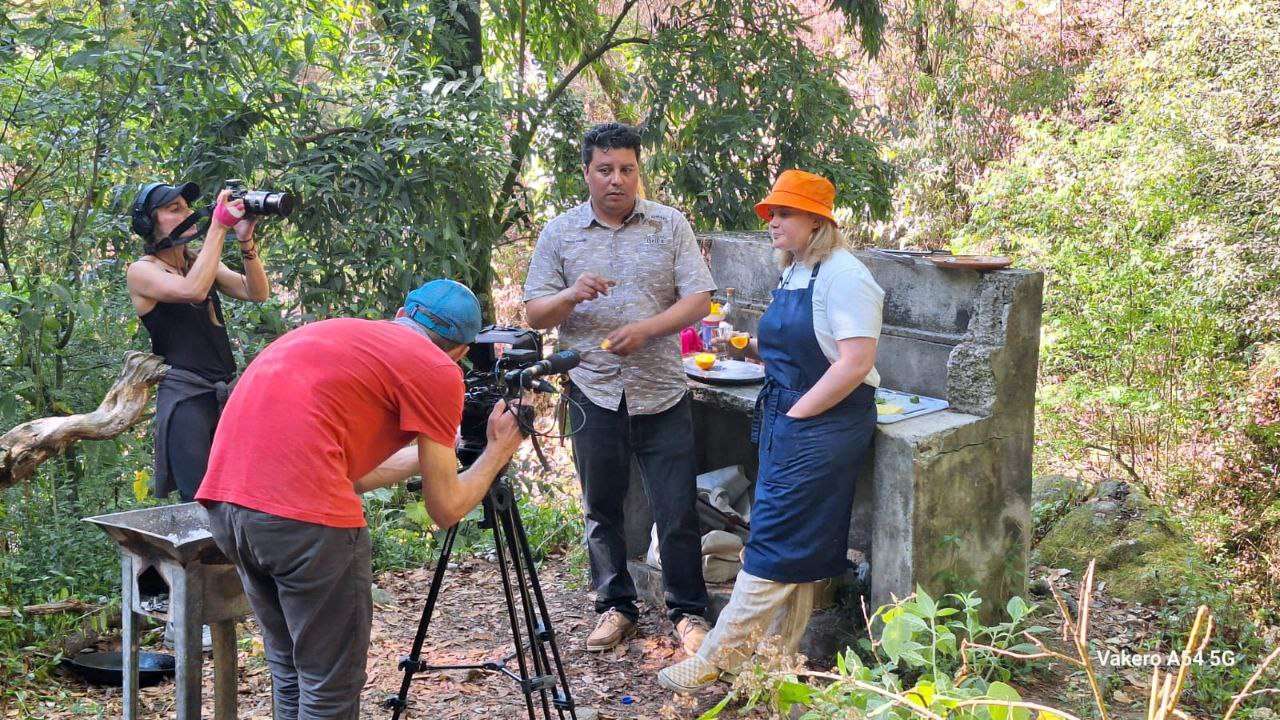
(447, 308)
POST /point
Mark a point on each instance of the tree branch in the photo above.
(307, 139)
(501, 218)
(23, 448)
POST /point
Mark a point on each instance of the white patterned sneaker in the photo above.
(688, 676)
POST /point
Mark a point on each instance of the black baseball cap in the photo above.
(165, 194)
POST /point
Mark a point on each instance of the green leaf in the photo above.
(921, 695)
(416, 512)
(141, 485)
(1017, 608)
(793, 693)
(926, 603)
(714, 712)
(946, 642)
(894, 638)
(1001, 691)
(60, 292)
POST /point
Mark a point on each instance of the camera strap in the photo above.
(175, 237)
(537, 449)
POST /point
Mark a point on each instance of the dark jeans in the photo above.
(662, 444)
(310, 589)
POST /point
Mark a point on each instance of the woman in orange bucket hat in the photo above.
(814, 420)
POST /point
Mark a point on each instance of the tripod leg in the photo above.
(501, 552)
(522, 542)
(410, 664)
(541, 667)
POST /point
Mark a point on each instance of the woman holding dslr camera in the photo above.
(175, 292)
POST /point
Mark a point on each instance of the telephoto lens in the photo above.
(261, 202)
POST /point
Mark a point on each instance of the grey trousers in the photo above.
(759, 611)
(310, 589)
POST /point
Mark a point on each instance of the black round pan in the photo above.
(104, 668)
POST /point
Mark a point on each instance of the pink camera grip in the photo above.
(225, 215)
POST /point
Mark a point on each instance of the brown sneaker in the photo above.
(691, 630)
(612, 628)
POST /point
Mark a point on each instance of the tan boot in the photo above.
(691, 630)
(612, 628)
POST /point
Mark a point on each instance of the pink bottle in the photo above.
(689, 341)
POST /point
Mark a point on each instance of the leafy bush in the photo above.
(917, 677)
(923, 654)
(1153, 214)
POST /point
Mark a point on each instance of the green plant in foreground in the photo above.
(929, 652)
(924, 649)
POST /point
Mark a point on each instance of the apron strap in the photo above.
(813, 275)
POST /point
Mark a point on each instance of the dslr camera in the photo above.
(261, 202)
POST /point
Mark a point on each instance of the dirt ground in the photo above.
(471, 626)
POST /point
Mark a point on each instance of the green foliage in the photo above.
(1154, 217)
(955, 77)
(408, 163)
(916, 659)
(1237, 646)
(50, 554)
(921, 635)
(867, 18)
(736, 99)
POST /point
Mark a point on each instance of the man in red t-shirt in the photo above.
(308, 426)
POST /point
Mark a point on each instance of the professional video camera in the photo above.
(506, 363)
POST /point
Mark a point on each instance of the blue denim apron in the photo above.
(808, 467)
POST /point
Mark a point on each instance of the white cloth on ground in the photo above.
(721, 555)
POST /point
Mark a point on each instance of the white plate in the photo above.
(726, 372)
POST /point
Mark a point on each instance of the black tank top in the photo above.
(186, 337)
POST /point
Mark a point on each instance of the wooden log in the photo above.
(23, 448)
(50, 608)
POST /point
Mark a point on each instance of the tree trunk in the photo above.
(24, 447)
(458, 37)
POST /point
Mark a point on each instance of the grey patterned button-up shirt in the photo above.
(655, 260)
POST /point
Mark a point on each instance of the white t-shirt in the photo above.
(847, 302)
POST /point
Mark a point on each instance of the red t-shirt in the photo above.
(322, 406)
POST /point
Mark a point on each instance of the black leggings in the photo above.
(190, 438)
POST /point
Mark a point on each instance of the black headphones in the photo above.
(141, 222)
(144, 225)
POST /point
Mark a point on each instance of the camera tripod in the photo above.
(541, 674)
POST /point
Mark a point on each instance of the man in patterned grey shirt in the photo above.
(620, 276)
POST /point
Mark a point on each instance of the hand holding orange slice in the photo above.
(740, 340)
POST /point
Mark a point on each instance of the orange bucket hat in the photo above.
(801, 190)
